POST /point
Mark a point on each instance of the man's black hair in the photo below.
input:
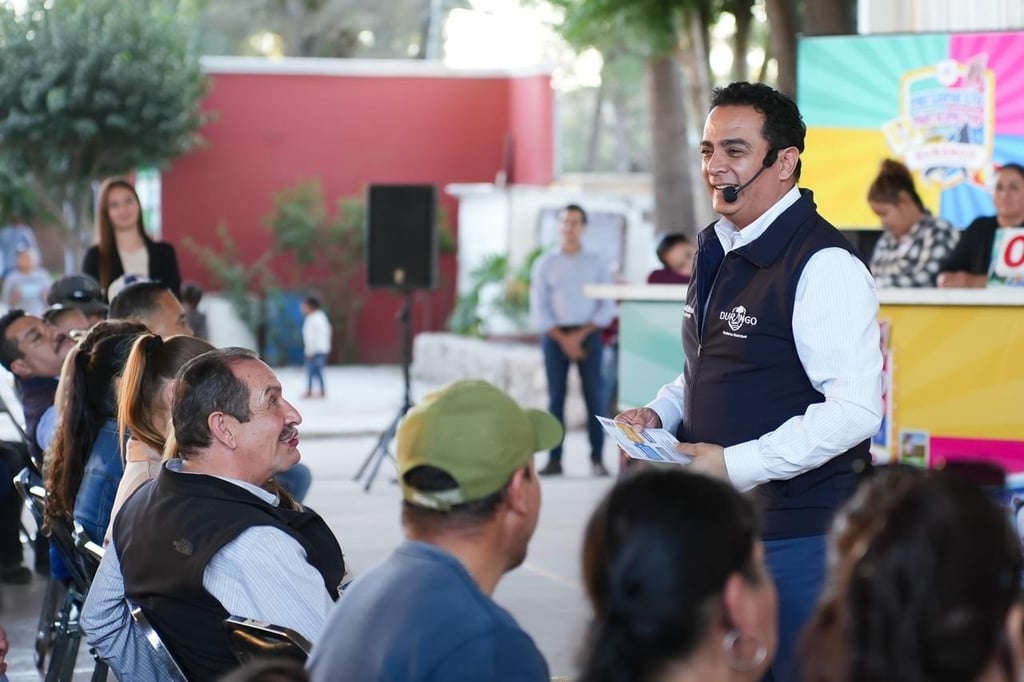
(9, 351)
(137, 301)
(578, 209)
(783, 125)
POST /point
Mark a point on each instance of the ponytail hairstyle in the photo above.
(657, 553)
(88, 385)
(893, 177)
(151, 363)
(923, 569)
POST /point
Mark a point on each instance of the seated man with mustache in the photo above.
(204, 540)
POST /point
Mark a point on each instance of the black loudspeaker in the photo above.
(401, 236)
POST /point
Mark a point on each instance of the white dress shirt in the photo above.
(835, 328)
(262, 574)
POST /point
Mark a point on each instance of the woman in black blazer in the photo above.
(123, 242)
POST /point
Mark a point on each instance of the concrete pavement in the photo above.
(338, 432)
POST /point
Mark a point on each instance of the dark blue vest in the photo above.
(743, 375)
(165, 536)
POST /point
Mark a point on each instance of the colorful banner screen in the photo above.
(949, 106)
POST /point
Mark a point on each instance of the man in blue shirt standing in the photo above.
(465, 465)
(570, 324)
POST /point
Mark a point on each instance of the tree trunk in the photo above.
(623, 158)
(697, 65)
(673, 198)
(782, 24)
(593, 142)
(830, 17)
(742, 10)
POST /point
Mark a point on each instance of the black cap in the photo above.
(78, 291)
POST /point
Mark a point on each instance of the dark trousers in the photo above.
(556, 366)
(798, 567)
(13, 458)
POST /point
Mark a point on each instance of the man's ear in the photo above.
(515, 495)
(222, 429)
(21, 369)
(788, 159)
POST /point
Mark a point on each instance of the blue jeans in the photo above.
(314, 370)
(556, 366)
(102, 476)
(798, 567)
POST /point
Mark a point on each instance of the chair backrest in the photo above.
(169, 668)
(31, 489)
(250, 638)
(60, 532)
(90, 553)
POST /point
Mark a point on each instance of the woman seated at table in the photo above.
(968, 265)
(923, 584)
(674, 570)
(914, 242)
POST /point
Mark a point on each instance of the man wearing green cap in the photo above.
(465, 464)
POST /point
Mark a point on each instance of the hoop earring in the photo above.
(729, 644)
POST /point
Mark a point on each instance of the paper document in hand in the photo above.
(653, 445)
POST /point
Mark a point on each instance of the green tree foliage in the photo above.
(321, 28)
(655, 29)
(332, 245)
(90, 88)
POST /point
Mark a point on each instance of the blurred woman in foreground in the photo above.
(923, 586)
(674, 570)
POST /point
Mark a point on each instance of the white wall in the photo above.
(888, 16)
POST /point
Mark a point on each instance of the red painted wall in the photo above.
(349, 125)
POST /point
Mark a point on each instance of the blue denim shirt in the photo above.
(102, 475)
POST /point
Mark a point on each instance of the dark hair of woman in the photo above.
(151, 363)
(893, 177)
(924, 568)
(657, 554)
(90, 371)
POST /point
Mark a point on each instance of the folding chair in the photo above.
(89, 553)
(59, 633)
(169, 668)
(250, 638)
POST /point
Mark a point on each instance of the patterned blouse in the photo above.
(913, 260)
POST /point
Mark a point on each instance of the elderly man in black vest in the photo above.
(208, 537)
(781, 389)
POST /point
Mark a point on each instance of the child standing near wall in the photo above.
(316, 343)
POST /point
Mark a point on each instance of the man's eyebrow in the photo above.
(730, 142)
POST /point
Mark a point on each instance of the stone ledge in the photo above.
(516, 368)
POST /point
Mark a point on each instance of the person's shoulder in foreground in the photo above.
(471, 503)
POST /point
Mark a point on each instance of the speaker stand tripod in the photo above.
(380, 451)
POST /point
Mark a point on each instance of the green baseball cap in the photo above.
(474, 432)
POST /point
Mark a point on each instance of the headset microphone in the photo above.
(732, 192)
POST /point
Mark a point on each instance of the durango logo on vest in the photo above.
(735, 319)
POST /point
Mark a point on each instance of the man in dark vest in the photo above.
(781, 389)
(206, 538)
